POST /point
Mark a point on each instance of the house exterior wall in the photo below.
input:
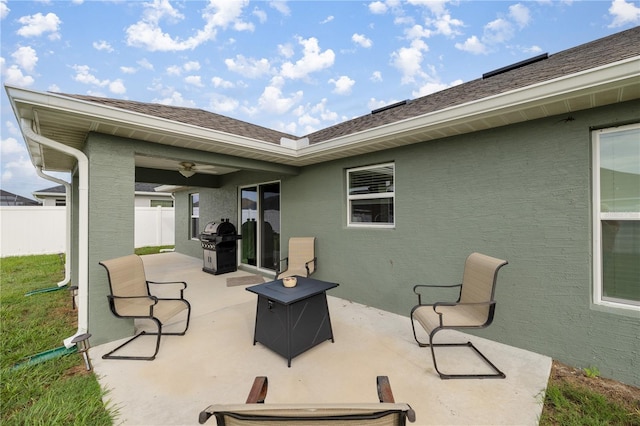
(111, 226)
(521, 193)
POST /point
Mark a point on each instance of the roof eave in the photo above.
(618, 74)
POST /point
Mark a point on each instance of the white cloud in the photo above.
(327, 19)
(624, 13)
(174, 70)
(223, 104)
(446, 25)
(117, 87)
(498, 31)
(26, 58)
(408, 60)
(148, 34)
(11, 146)
(286, 50)
(520, 14)
(13, 75)
(433, 87)
(260, 14)
(437, 7)
(361, 40)
(322, 110)
(128, 70)
(194, 80)
(4, 10)
(376, 76)
(312, 60)
(416, 32)
(191, 66)
(377, 8)
(144, 63)
(248, 67)
(175, 98)
(342, 85)
(221, 83)
(272, 99)
(83, 75)
(102, 45)
(374, 103)
(11, 128)
(39, 24)
(281, 6)
(472, 45)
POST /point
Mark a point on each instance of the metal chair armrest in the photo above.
(184, 285)
(315, 265)
(279, 265)
(417, 287)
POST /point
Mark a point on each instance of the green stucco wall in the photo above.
(111, 226)
(521, 193)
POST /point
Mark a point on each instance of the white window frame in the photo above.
(194, 215)
(372, 196)
(599, 216)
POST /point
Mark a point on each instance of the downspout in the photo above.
(67, 187)
(83, 222)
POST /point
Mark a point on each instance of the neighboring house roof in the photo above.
(60, 190)
(9, 199)
(598, 73)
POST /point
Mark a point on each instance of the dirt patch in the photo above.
(624, 395)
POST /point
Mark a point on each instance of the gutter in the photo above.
(83, 222)
(67, 187)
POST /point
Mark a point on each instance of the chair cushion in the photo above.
(164, 310)
(452, 316)
(389, 414)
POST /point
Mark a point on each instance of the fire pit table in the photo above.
(290, 321)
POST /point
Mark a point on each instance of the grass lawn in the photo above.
(56, 392)
(61, 392)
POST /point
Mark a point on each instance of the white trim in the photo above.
(372, 196)
(598, 216)
(613, 75)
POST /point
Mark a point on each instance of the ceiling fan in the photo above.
(188, 169)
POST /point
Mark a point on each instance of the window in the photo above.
(194, 209)
(616, 230)
(371, 195)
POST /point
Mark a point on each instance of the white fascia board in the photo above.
(135, 120)
(551, 90)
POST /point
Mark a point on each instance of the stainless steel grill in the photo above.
(219, 247)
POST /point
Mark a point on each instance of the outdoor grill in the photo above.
(219, 248)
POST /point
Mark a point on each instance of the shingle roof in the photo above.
(614, 48)
(193, 116)
(610, 49)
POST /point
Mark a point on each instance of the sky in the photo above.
(293, 66)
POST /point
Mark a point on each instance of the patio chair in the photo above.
(474, 308)
(131, 298)
(255, 412)
(301, 260)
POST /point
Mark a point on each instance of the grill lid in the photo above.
(219, 228)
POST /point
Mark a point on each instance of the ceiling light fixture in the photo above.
(186, 169)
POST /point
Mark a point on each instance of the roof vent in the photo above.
(516, 65)
(391, 106)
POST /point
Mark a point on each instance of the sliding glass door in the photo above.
(260, 229)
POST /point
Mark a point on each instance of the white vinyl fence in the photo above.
(42, 230)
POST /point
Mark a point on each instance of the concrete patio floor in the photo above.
(216, 361)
